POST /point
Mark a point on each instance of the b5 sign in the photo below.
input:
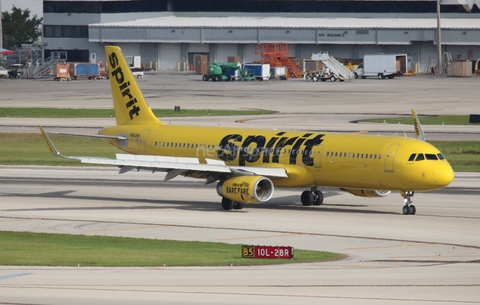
(274, 252)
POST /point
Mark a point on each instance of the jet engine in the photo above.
(246, 189)
(367, 193)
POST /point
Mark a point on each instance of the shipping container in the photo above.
(103, 70)
(258, 71)
(460, 68)
(278, 73)
(61, 72)
(233, 58)
(84, 70)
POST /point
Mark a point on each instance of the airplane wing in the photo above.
(174, 166)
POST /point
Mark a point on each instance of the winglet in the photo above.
(50, 145)
(418, 127)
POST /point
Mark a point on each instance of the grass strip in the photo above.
(31, 149)
(107, 113)
(41, 249)
(427, 120)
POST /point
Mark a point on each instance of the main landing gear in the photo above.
(228, 204)
(312, 197)
(408, 208)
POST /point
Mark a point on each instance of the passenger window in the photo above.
(412, 157)
(420, 157)
(431, 157)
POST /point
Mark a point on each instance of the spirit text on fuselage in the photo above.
(251, 148)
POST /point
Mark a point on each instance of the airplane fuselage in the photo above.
(359, 161)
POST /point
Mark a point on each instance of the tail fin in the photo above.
(129, 104)
(418, 127)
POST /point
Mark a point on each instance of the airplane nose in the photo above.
(444, 175)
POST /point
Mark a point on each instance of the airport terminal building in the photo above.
(169, 33)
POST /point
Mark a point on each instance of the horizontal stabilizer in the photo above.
(96, 136)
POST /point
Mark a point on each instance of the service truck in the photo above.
(382, 66)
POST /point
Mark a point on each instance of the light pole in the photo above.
(439, 40)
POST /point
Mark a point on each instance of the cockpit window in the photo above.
(431, 157)
(420, 157)
(440, 156)
(412, 157)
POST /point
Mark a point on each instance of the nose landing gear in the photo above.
(408, 208)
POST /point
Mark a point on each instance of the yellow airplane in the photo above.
(249, 163)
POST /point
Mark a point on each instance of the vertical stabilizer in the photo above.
(418, 127)
(128, 101)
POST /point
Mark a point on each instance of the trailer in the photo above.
(382, 66)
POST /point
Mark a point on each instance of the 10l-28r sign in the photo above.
(274, 252)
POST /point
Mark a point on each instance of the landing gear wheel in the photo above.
(227, 204)
(412, 210)
(317, 197)
(307, 198)
(408, 208)
(238, 205)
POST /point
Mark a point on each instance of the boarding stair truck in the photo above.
(226, 71)
(336, 69)
(382, 66)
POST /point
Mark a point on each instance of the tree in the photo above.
(19, 28)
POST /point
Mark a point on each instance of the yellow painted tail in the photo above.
(128, 101)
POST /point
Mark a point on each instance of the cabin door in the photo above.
(390, 157)
(317, 156)
(142, 141)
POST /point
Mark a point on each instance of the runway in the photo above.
(428, 258)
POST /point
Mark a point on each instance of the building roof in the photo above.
(291, 22)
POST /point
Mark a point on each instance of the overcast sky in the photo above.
(35, 6)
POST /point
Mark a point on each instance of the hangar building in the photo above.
(170, 32)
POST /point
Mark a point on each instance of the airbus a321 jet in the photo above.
(248, 164)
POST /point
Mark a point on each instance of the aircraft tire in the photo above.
(412, 210)
(227, 204)
(307, 198)
(318, 198)
(405, 210)
(238, 205)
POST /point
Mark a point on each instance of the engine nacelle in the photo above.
(246, 189)
(367, 193)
